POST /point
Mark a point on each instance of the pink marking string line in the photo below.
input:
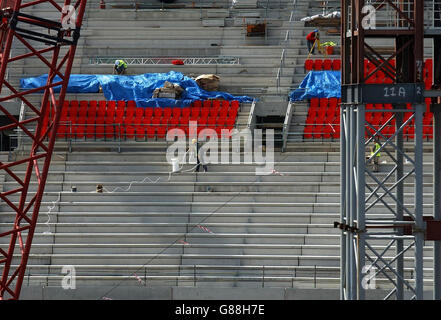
(277, 172)
(332, 127)
(204, 228)
(139, 279)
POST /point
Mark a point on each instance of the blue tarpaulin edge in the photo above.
(137, 87)
(318, 84)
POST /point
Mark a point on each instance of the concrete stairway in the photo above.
(227, 227)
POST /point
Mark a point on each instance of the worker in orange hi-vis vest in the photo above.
(310, 40)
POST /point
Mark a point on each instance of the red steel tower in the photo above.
(50, 42)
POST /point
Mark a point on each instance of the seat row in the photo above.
(372, 76)
(323, 120)
(319, 64)
(120, 119)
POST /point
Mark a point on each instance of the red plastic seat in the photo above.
(336, 64)
(111, 104)
(73, 110)
(380, 76)
(130, 112)
(327, 64)
(156, 121)
(111, 109)
(161, 132)
(110, 130)
(99, 127)
(330, 113)
(333, 102)
(318, 64)
(82, 112)
(213, 112)
(140, 132)
(102, 108)
(206, 104)
(197, 104)
(314, 103)
(318, 131)
(64, 119)
(229, 123)
(223, 112)
(324, 102)
(176, 112)
(90, 128)
(167, 112)
(211, 123)
(131, 104)
(232, 114)
(151, 132)
(204, 112)
(91, 112)
(185, 113)
(139, 114)
(110, 115)
(202, 124)
(327, 131)
(309, 64)
(195, 111)
(220, 123)
(146, 121)
(79, 130)
(157, 112)
(427, 131)
(120, 111)
(164, 121)
(307, 133)
(216, 104)
(130, 132)
(388, 131)
(235, 105)
(183, 121)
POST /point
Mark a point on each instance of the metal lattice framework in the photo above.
(159, 60)
(382, 225)
(51, 43)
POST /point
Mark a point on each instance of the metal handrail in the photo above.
(286, 125)
(286, 43)
(251, 123)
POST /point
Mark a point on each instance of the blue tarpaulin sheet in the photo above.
(318, 84)
(138, 88)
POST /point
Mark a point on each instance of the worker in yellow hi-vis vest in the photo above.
(120, 67)
(376, 155)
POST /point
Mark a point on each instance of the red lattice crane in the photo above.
(50, 42)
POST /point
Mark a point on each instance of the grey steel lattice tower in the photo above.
(381, 220)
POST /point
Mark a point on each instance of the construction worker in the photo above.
(310, 40)
(120, 67)
(376, 158)
(199, 157)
